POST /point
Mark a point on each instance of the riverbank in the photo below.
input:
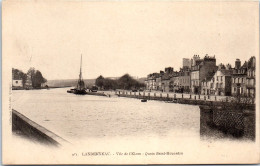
(190, 99)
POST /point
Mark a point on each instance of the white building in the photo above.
(17, 83)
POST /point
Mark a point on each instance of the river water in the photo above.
(77, 117)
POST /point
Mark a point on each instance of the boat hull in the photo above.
(80, 92)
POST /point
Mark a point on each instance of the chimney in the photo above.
(237, 64)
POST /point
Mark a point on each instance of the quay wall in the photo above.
(96, 94)
(192, 100)
(25, 127)
(236, 123)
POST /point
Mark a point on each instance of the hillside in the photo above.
(68, 82)
(73, 82)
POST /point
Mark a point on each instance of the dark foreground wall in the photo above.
(25, 127)
(219, 122)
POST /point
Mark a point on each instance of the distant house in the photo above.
(166, 83)
(17, 83)
(151, 81)
(159, 81)
(219, 83)
(184, 79)
(250, 80)
(239, 78)
(200, 70)
(222, 81)
(207, 86)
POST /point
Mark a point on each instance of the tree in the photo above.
(100, 81)
(36, 78)
(31, 75)
(124, 82)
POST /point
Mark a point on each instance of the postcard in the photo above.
(130, 82)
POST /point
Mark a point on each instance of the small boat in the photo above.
(143, 100)
(71, 91)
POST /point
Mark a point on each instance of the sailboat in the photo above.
(80, 89)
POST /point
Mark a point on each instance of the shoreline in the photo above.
(200, 100)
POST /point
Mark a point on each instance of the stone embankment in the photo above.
(187, 99)
(25, 127)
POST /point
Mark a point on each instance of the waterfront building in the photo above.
(184, 79)
(222, 81)
(250, 80)
(207, 86)
(159, 81)
(151, 81)
(201, 69)
(175, 81)
(167, 84)
(239, 79)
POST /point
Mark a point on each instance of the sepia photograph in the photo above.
(130, 82)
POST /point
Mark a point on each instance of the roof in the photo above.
(166, 77)
(251, 63)
(244, 65)
(226, 72)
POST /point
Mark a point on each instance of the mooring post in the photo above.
(160, 95)
(215, 98)
(135, 93)
(226, 99)
(174, 95)
(130, 93)
(182, 95)
(195, 97)
(199, 96)
(149, 95)
(190, 96)
(167, 96)
(204, 97)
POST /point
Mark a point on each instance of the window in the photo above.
(242, 80)
(241, 90)
(221, 78)
(16, 82)
(235, 89)
(237, 80)
(217, 78)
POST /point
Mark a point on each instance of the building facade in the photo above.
(201, 69)
(250, 80)
(184, 80)
(239, 79)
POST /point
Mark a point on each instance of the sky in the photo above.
(116, 37)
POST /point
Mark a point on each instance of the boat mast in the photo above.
(80, 73)
(80, 81)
